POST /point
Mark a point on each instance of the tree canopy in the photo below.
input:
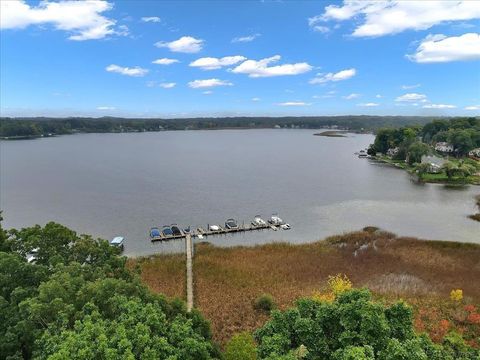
(79, 301)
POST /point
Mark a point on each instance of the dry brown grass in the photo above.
(228, 280)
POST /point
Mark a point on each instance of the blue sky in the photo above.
(229, 58)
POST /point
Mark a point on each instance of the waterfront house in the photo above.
(444, 147)
(435, 163)
(475, 153)
(392, 151)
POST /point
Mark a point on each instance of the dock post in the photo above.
(189, 251)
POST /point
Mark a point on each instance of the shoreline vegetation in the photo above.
(442, 151)
(360, 293)
(230, 283)
(36, 127)
(477, 215)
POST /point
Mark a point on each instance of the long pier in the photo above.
(208, 232)
(189, 275)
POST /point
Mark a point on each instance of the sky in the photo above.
(239, 58)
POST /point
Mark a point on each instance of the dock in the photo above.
(206, 232)
(189, 275)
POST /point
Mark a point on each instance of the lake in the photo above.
(123, 184)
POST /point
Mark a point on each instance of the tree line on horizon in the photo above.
(45, 126)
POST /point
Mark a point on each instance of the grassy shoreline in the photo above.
(228, 280)
(430, 178)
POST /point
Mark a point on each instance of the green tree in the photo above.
(353, 326)
(241, 347)
(416, 151)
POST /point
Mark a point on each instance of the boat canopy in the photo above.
(117, 240)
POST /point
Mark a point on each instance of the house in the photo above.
(435, 163)
(444, 147)
(392, 151)
(474, 153)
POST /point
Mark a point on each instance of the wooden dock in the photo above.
(221, 231)
(189, 275)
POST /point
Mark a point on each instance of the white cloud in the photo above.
(439, 48)
(256, 99)
(165, 61)
(208, 92)
(134, 71)
(378, 96)
(167, 85)
(106, 108)
(186, 44)
(207, 83)
(321, 29)
(351, 96)
(394, 16)
(473, 107)
(407, 87)
(245, 38)
(294, 103)
(339, 76)
(439, 106)
(82, 19)
(411, 97)
(370, 104)
(261, 68)
(211, 63)
(154, 19)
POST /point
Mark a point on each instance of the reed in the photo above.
(229, 280)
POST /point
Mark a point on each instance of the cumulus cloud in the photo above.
(261, 68)
(411, 97)
(473, 107)
(256, 99)
(106, 108)
(294, 103)
(370, 104)
(186, 44)
(165, 61)
(82, 19)
(339, 76)
(167, 85)
(211, 63)
(208, 83)
(154, 19)
(439, 106)
(351, 96)
(245, 38)
(378, 18)
(439, 48)
(134, 71)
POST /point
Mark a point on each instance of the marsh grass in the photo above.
(228, 280)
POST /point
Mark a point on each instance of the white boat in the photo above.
(200, 236)
(32, 256)
(285, 227)
(276, 220)
(118, 241)
(214, 228)
(362, 153)
(258, 221)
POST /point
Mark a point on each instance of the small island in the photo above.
(331, 133)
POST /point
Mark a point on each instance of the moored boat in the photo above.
(231, 224)
(118, 241)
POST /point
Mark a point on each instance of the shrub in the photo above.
(353, 326)
(241, 347)
(456, 295)
(264, 303)
(339, 284)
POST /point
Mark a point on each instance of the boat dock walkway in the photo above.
(209, 232)
(189, 275)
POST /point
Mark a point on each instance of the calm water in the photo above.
(109, 184)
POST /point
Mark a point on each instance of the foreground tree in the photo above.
(352, 327)
(79, 301)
